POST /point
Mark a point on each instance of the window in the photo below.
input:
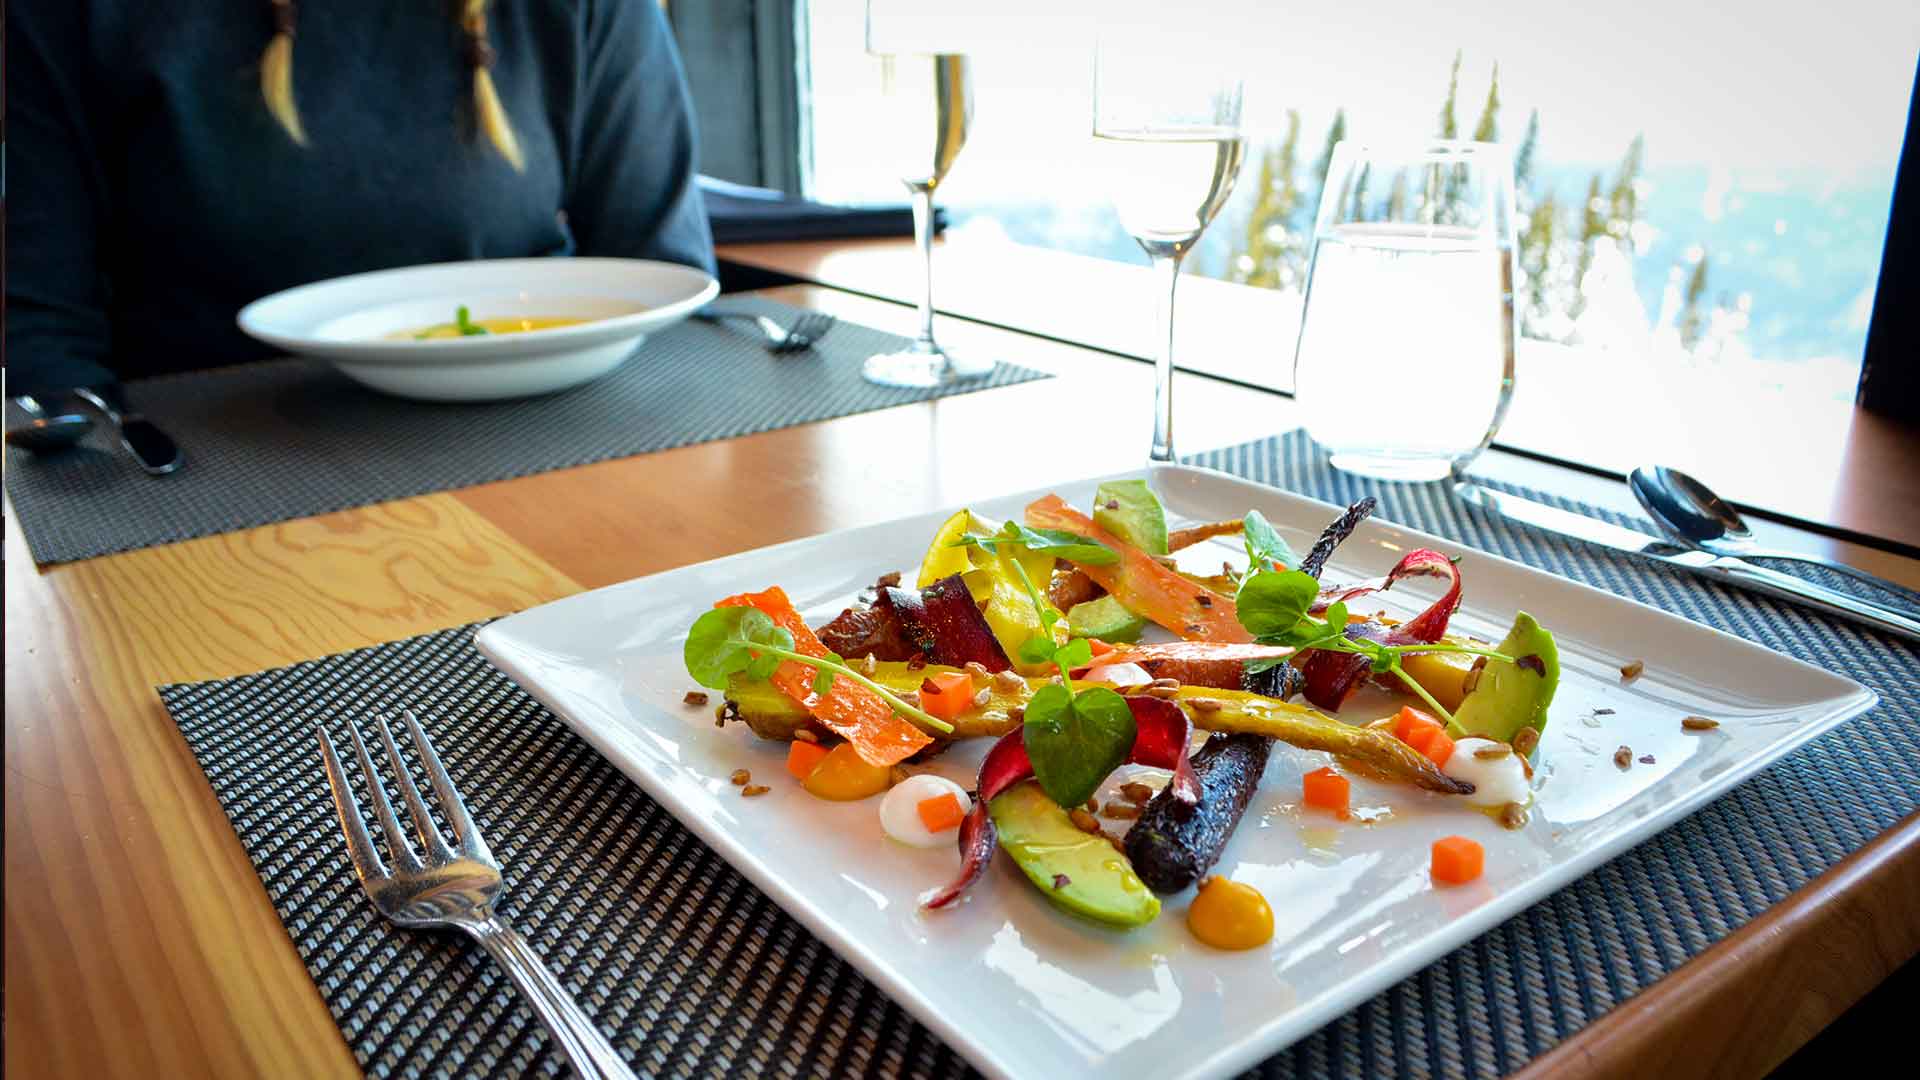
(1704, 190)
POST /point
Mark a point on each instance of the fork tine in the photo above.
(396, 840)
(430, 839)
(366, 861)
(472, 845)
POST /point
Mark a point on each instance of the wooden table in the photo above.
(139, 942)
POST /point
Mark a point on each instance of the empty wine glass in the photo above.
(1172, 145)
(922, 115)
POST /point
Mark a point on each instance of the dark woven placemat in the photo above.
(291, 438)
(698, 974)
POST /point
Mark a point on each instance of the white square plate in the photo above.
(1024, 990)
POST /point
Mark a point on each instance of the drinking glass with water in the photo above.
(1404, 366)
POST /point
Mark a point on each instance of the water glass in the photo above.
(1404, 364)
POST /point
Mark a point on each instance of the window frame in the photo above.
(746, 71)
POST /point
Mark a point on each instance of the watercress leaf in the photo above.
(716, 647)
(1311, 633)
(1037, 650)
(1263, 544)
(1336, 615)
(1273, 602)
(1063, 544)
(762, 666)
(1074, 654)
(1075, 740)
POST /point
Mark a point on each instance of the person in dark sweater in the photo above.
(173, 160)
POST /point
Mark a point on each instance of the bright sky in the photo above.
(1755, 87)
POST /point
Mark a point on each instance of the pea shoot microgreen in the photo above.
(1075, 739)
(1063, 544)
(745, 640)
(1275, 607)
(1265, 549)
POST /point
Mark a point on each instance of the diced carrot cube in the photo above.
(1327, 790)
(1411, 720)
(803, 758)
(1457, 860)
(947, 694)
(940, 813)
(1100, 648)
(1434, 742)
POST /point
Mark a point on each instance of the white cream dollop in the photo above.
(1496, 781)
(900, 814)
(1119, 674)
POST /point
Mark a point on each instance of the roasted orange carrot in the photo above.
(849, 710)
(1144, 586)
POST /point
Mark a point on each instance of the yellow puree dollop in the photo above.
(1228, 915)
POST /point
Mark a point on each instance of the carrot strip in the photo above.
(1144, 586)
(849, 710)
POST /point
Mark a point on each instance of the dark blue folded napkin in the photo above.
(750, 215)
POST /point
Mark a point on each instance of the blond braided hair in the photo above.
(276, 79)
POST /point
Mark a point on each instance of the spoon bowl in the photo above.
(1693, 514)
(41, 433)
(1687, 508)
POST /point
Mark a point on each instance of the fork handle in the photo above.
(587, 1050)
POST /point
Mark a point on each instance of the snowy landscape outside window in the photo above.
(1703, 189)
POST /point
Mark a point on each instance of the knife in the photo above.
(150, 446)
(1722, 568)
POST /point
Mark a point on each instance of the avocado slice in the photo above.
(1510, 696)
(1131, 511)
(1105, 618)
(1080, 872)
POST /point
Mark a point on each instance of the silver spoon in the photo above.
(41, 433)
(1693, 514)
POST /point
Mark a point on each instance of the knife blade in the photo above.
(1722, 568)
(152, 448)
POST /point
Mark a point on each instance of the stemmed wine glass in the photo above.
(923, 113)
(1172, 144)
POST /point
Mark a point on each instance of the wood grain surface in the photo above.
(139, 943)
(138, 940)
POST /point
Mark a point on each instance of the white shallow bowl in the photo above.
(347, 320)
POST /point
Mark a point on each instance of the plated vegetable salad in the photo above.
(1079, 644)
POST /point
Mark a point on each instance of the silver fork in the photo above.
(809, 328)
(453, 888)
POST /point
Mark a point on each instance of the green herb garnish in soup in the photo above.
(464, 325)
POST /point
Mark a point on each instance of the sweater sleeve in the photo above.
(57, 330)
(632, 190)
